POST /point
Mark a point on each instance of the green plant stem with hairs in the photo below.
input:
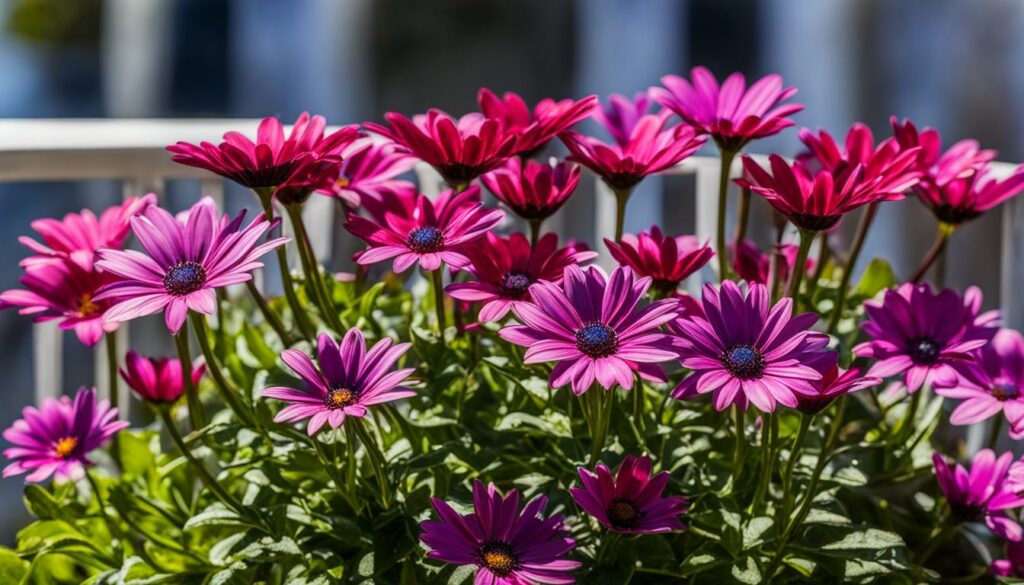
(213, 367)
(196, 413)
(851, 263)
(266, 197)
(727, 156)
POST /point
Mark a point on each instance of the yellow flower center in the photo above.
(66, 446)
(499, 558)
(343, 182)
(86, 306)
(340, 398)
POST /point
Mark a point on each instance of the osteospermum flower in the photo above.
(272, 158)
(505, 268)
(157, 380)
(620, 115)
(922, 334)
(981, 494)
(63, 289)
(631, 501)
(991, 383)
(892, 168)
(962, 159)
(533, 190)
(533, 128)
(56, 438)
(1013, 564)
(368, 168)
(594, 328)
(732, 114)
(962, 199)
(509, 547)
(744, 349)
(834, 383)
(184, 262)
(459, 149)
(78, 236)
(424, 231)
(651, 148)
(344, 381)
(666, 260)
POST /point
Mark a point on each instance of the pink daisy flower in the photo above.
(959, 162)
(981, 494)
(893, 167)
(56, 439)
(344, 380)
(594, 328)
(834, 382)
(77, 236)
(63, 289)
(533, 128)
(631, 501)
(991, 383)
(620, 115)
(185, 260)
(157, 380)
(533, 190)
(367, 168)
(459, 149)
(509, 547)
(505, 268)
(272, 158)
(921, 334)
(731, 113)
(744, 349)
(418, 230)
(668, 261)
(963, 199)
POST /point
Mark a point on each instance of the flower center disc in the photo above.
(499, 558)
(340, 398)
(623, 513)
(184, 278)
(596, 340)
(424, 240)
(86, 306)
(923, 350)
(1005, 391)
(66, 446)
(515, 284)
(744, 362)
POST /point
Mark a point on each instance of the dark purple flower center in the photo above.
(424, 240)
(499, 558)
(623, 514)
(744, 362)
(1005, 390)
(340, 398)
(514, 284)
(596, 340)
(923, 350)
(184, 278)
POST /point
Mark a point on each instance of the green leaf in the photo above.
(747, 573)
(462, 575)
(755, 530)
(878, 276)
(12, 568)
(803, 566)
(866, 539)
(42, 504)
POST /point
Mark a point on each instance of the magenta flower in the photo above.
(343, 382)
(594, 328)
(77, 236)
(892, 168)
(922, 334)
(367, 169)
(533, 129)
(991, 383)
(983, 493)
(270, 160)
(834, 383)
(621, 114)
(732, 114)
(962, 159)
(753, 265)
(651, 148)
(157, 380)
(630, 502)
(963, 199)
(56, 439)
(417, 229)
(506, 267)
(666, 260)
(509, 547)
(63, 289)
(185, 260)
(459, 149)
(744, 349)
(533, 190)
(1013, 564)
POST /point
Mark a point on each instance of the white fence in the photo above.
(133, 151)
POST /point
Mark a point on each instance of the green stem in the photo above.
(743, 217)
(196, 413)
(607, 543)
(769, 432)
(222, 333)
(535, 225)
(376, 460)
(311, 269)
(269, 315)
(723, 203)
(621, 199)
(794, 457)
(798, 268)
(222, 384)
(994, 431)
(851, 264)
(110, 341)
(110, 523)
(938, 536)
(737, 457)
(266, 197)
(938, 247)
(438, 285)
(819, 268)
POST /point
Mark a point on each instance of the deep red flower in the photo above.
(533, 190)
(533, 128)
(892, 167)
(667, 260)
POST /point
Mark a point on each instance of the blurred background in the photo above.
(952, 64)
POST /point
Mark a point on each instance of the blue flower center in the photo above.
(514, 284)
(340, 398)
(499, 558)
(923, 350)
(184, 278)
(1005, 390)
(596, 340)
(424, 240)
(744, 362)
(623, 513)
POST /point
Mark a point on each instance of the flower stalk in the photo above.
(311, 269)
(851, 264)
(377, 460)
(727, 156)
(266, 197)
(196, 413)
(269, 315)
(224, 387)
(942, 236)
(798, 268)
